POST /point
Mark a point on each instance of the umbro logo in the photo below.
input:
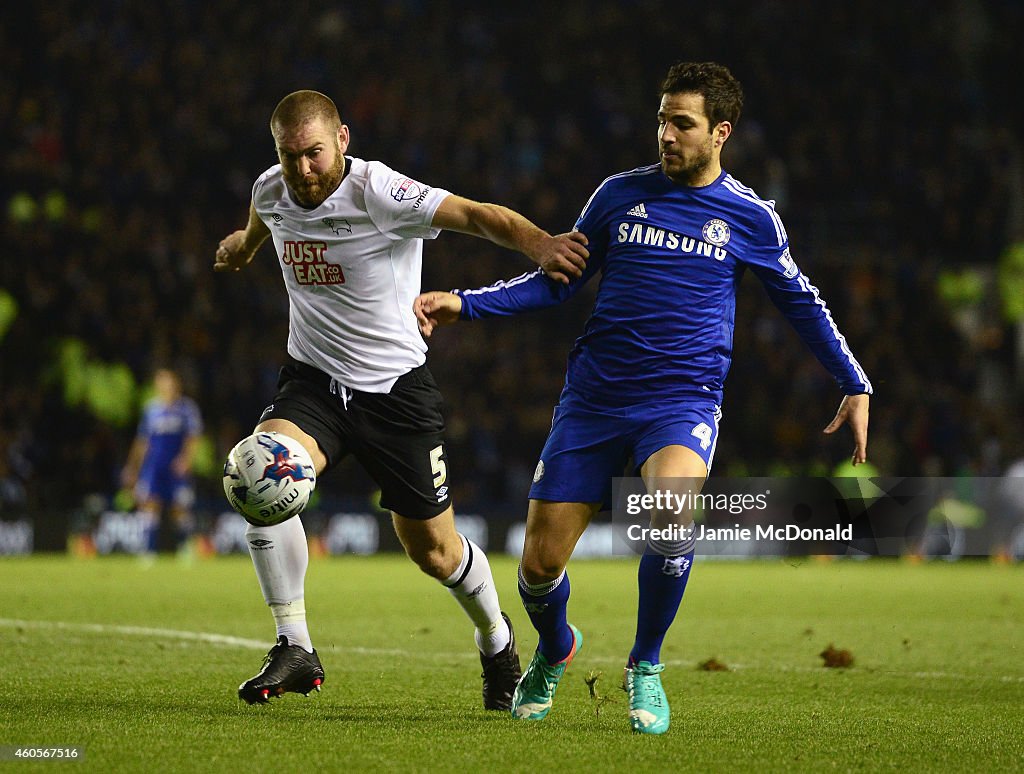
(639, 211)
(260, 543)
(277, 218)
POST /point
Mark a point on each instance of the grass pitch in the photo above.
(139, 666)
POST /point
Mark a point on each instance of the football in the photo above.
(268, 477)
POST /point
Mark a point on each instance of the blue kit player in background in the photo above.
(644, 382)
(159, 465)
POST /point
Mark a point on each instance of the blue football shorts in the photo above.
(590, 445)
(165, 487)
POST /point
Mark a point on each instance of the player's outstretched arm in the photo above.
(137, 452)
(237, 249)
(436, 308)
(182, 464)
(854, 411)
(563, 258)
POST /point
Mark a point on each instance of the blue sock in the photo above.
(151, 531)
(662, 581)
(545, 603)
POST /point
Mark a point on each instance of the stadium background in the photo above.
(887, 133)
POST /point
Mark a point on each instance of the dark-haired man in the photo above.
(644, 381)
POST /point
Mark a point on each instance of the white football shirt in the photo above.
(352, 268)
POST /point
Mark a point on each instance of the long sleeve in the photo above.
(799, 301)
(525, 293)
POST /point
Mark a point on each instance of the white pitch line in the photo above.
(432, 655)
(137, 631)
(209, 638)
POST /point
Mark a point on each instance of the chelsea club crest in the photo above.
(716, 231)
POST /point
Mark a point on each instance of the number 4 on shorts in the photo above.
(703, 432)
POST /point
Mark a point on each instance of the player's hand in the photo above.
(854, 411)
(436, 308)
(232, 253)
(180, 466)
(564, 257)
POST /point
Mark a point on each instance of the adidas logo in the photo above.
(639, 211)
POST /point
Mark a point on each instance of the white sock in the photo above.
(280, 555)
(290, 618)
(473, 588)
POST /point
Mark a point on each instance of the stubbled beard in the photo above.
(687, 171)
(312, 193)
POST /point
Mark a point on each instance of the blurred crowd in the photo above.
(132, 133)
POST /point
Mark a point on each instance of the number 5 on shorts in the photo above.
(437, 466)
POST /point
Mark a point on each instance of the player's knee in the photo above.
(666, 518)
(436, 560)
(544, 558)
(540, 568)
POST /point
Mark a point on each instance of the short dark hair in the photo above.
(300, 107)
(723, 95)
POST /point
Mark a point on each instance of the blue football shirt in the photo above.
(670, 259)
(166, 426)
